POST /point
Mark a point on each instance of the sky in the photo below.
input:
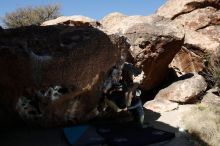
(95, 9)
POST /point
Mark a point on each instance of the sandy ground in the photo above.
(170, 121)
(24, 136)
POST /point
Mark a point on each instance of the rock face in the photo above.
(184, 91)
(212, 31)
(53, 76)
(154, 42)
(76, 20)
(201, 20)
(205, 43)
(186, 61)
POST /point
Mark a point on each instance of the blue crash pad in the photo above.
(116, 135)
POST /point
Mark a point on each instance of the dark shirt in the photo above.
(118, 97)
(135, 103)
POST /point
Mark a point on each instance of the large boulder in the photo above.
(174, 8)
(76, 20)
(109, 22)
(154, 42)
(185, 90)
(212, 97)
(120, 23)
(160, 105)
(201, 20)
(52, 75)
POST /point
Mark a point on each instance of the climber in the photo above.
(120, 90)
(115, 98)
(136, 108)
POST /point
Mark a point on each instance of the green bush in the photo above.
(31, 15)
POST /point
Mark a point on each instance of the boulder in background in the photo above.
(184, 91)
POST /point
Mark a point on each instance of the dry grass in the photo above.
(203, 123)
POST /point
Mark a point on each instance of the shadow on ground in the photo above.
(23, 135)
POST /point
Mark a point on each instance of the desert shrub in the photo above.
(216, 73)
(203, 123)
(31, 15)
(212, 70)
